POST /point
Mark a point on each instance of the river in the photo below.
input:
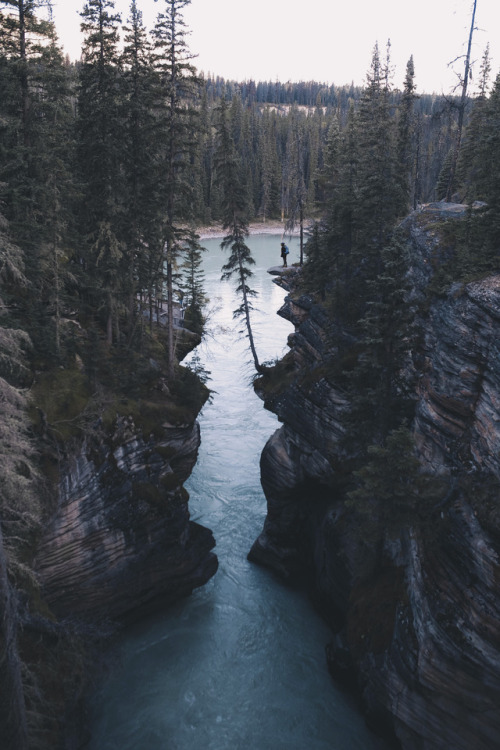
(240, 664)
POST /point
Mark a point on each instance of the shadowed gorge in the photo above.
(413, 604)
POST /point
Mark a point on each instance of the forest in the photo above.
(109, 165)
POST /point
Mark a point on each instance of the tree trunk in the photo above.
(170, 313)
(461, 110)
(247, 319)
(301, 222)
(23, 72)
(12, 705)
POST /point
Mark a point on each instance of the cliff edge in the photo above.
(416, 618)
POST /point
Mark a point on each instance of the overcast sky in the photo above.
(323, 40)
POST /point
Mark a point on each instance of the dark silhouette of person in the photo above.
(284, 253)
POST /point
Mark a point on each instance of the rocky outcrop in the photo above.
(120, 542)
(416, 624)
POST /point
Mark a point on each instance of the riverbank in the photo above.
(257, 227)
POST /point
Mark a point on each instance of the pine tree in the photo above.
(472, 152)
(25, 34)
(192, 285)
(461, 109)
(19, 496)
(179, 88)
(378, 187)
(100, 158)
(335, 267)
(35, 164)
(488, 176)
(380, 393)
(143, 198)
(406, 141)
(392, 493)
(234, 207)
(297, 191)
(98, 113)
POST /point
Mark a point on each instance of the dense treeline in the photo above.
(108, 165)
(357, 265)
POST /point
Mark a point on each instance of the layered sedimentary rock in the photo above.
(120, 542)
(417, 627)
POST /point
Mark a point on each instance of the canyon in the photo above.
(416, 621)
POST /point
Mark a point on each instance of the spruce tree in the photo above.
(297, 191)
(179, 88)
(143, 198)
(391, 493)
(455, 152)
(380, 393)
(406, 141)
(36, 148)
(100, 157)
(473, 153)
(378, 187)
(488, 177)
(234, 209)
(192, 284)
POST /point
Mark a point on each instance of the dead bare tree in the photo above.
(461, 107)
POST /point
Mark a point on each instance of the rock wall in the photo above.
(416, 630)
(121, 543)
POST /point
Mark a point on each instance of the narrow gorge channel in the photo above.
(240, 663)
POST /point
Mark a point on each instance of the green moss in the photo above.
(277, 378)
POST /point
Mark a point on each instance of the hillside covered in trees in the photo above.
(107, 168)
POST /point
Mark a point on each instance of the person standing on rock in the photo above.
(284, 253)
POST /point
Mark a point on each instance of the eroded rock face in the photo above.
(120, 543)
(417, 631)
(459, 388)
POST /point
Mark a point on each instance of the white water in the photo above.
(240, 664)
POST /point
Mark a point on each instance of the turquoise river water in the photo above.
(241, 663)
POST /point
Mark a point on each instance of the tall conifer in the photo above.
(234, 207)
(406, 140)
(99, 151)
(178, 91)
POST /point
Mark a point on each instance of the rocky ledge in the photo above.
(417, 625)
(121, 543)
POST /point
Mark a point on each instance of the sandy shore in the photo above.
(259, 227)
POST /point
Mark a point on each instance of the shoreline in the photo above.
(275, 227)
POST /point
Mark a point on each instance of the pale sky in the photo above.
(324, 40)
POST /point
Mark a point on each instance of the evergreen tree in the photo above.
(488, 176)
(143, 199)
(98, 113)
(55, 199)
(35, 162)
(234, 208)
(22, 35)
(378, 187)
(380, 393)
(406, 158)
(472, 154)
(297, 191)
(100, 158)
(334, 264)
(392, 493)
(461, 109)
(179, 88)
(192, 285)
